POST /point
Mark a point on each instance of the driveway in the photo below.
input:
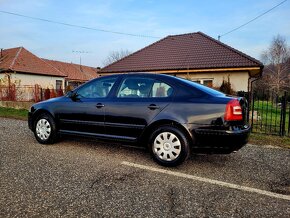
(85, 178)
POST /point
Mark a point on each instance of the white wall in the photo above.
(238, 80)
(29, 79)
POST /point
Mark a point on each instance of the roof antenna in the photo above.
(1, 52)
(80, 52)
(219, 37)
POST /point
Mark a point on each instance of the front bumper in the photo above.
(30, 122)
(221, 141)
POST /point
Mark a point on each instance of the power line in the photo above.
(252, 19)
(79, 26)
(80, 52)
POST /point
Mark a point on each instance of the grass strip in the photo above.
(263, 139)
(21, 114)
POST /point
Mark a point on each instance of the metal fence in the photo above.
(28, 93)
(270, 113)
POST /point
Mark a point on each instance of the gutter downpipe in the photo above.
(251, 98)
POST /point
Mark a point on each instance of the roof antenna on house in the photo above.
(80, 52)
(1, 52)
(219, 37)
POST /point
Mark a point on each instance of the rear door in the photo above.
(137, 101)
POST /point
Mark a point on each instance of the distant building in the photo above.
(20, 65)
(194, 56)
(75, 74)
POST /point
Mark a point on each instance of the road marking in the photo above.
(211, 181)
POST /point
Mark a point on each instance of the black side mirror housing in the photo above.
(73, 95)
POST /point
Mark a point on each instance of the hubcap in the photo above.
(43, 129)
(167, 146)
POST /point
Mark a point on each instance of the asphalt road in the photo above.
(85, 178)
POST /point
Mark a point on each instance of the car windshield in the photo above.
(203, 88)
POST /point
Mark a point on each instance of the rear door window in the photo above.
(161, 90)
(142, 87)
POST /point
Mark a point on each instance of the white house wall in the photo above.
(238, 80)
(31, 80)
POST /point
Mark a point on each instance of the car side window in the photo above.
(138, 87)
(161, 90)
(99, 88)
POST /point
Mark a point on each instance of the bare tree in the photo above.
(277, 65)
(115, 56)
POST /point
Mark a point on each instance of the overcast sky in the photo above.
(157, 18)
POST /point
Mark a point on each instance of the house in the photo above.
(75, 74)
(26, 69)
(25, 77)
(194, 56)
(18, 65)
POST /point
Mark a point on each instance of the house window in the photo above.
(58, 84)
(207, 83)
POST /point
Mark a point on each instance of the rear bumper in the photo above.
(221, 141)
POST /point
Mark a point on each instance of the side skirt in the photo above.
(98, 136)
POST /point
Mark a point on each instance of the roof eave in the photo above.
(37, 73)
(190, 70)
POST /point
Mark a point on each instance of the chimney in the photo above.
(1, 52)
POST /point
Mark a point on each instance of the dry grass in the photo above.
(263, 139)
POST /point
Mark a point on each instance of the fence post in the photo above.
(283, 114)
(41, 94)
(253, 108)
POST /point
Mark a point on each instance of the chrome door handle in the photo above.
(100, 105)
(153, 107)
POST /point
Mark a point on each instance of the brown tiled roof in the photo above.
(74, 71)
(181, 52)
(21, 60)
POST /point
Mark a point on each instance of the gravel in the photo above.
(85, 178)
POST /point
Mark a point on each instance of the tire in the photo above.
(45, 129)
(169, 146)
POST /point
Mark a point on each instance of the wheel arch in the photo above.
(153, 126)
(38, 112)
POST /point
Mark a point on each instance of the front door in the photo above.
(84, 113)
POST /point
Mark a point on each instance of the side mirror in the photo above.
(73, 95)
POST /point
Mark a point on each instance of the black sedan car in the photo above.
(170, 115)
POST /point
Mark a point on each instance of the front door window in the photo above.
(99, 88)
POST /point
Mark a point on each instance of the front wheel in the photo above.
(45, 129)
(169, 146)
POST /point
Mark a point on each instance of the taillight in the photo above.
(233, 111)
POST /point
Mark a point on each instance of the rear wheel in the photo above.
(169, 146)
(45, 129)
